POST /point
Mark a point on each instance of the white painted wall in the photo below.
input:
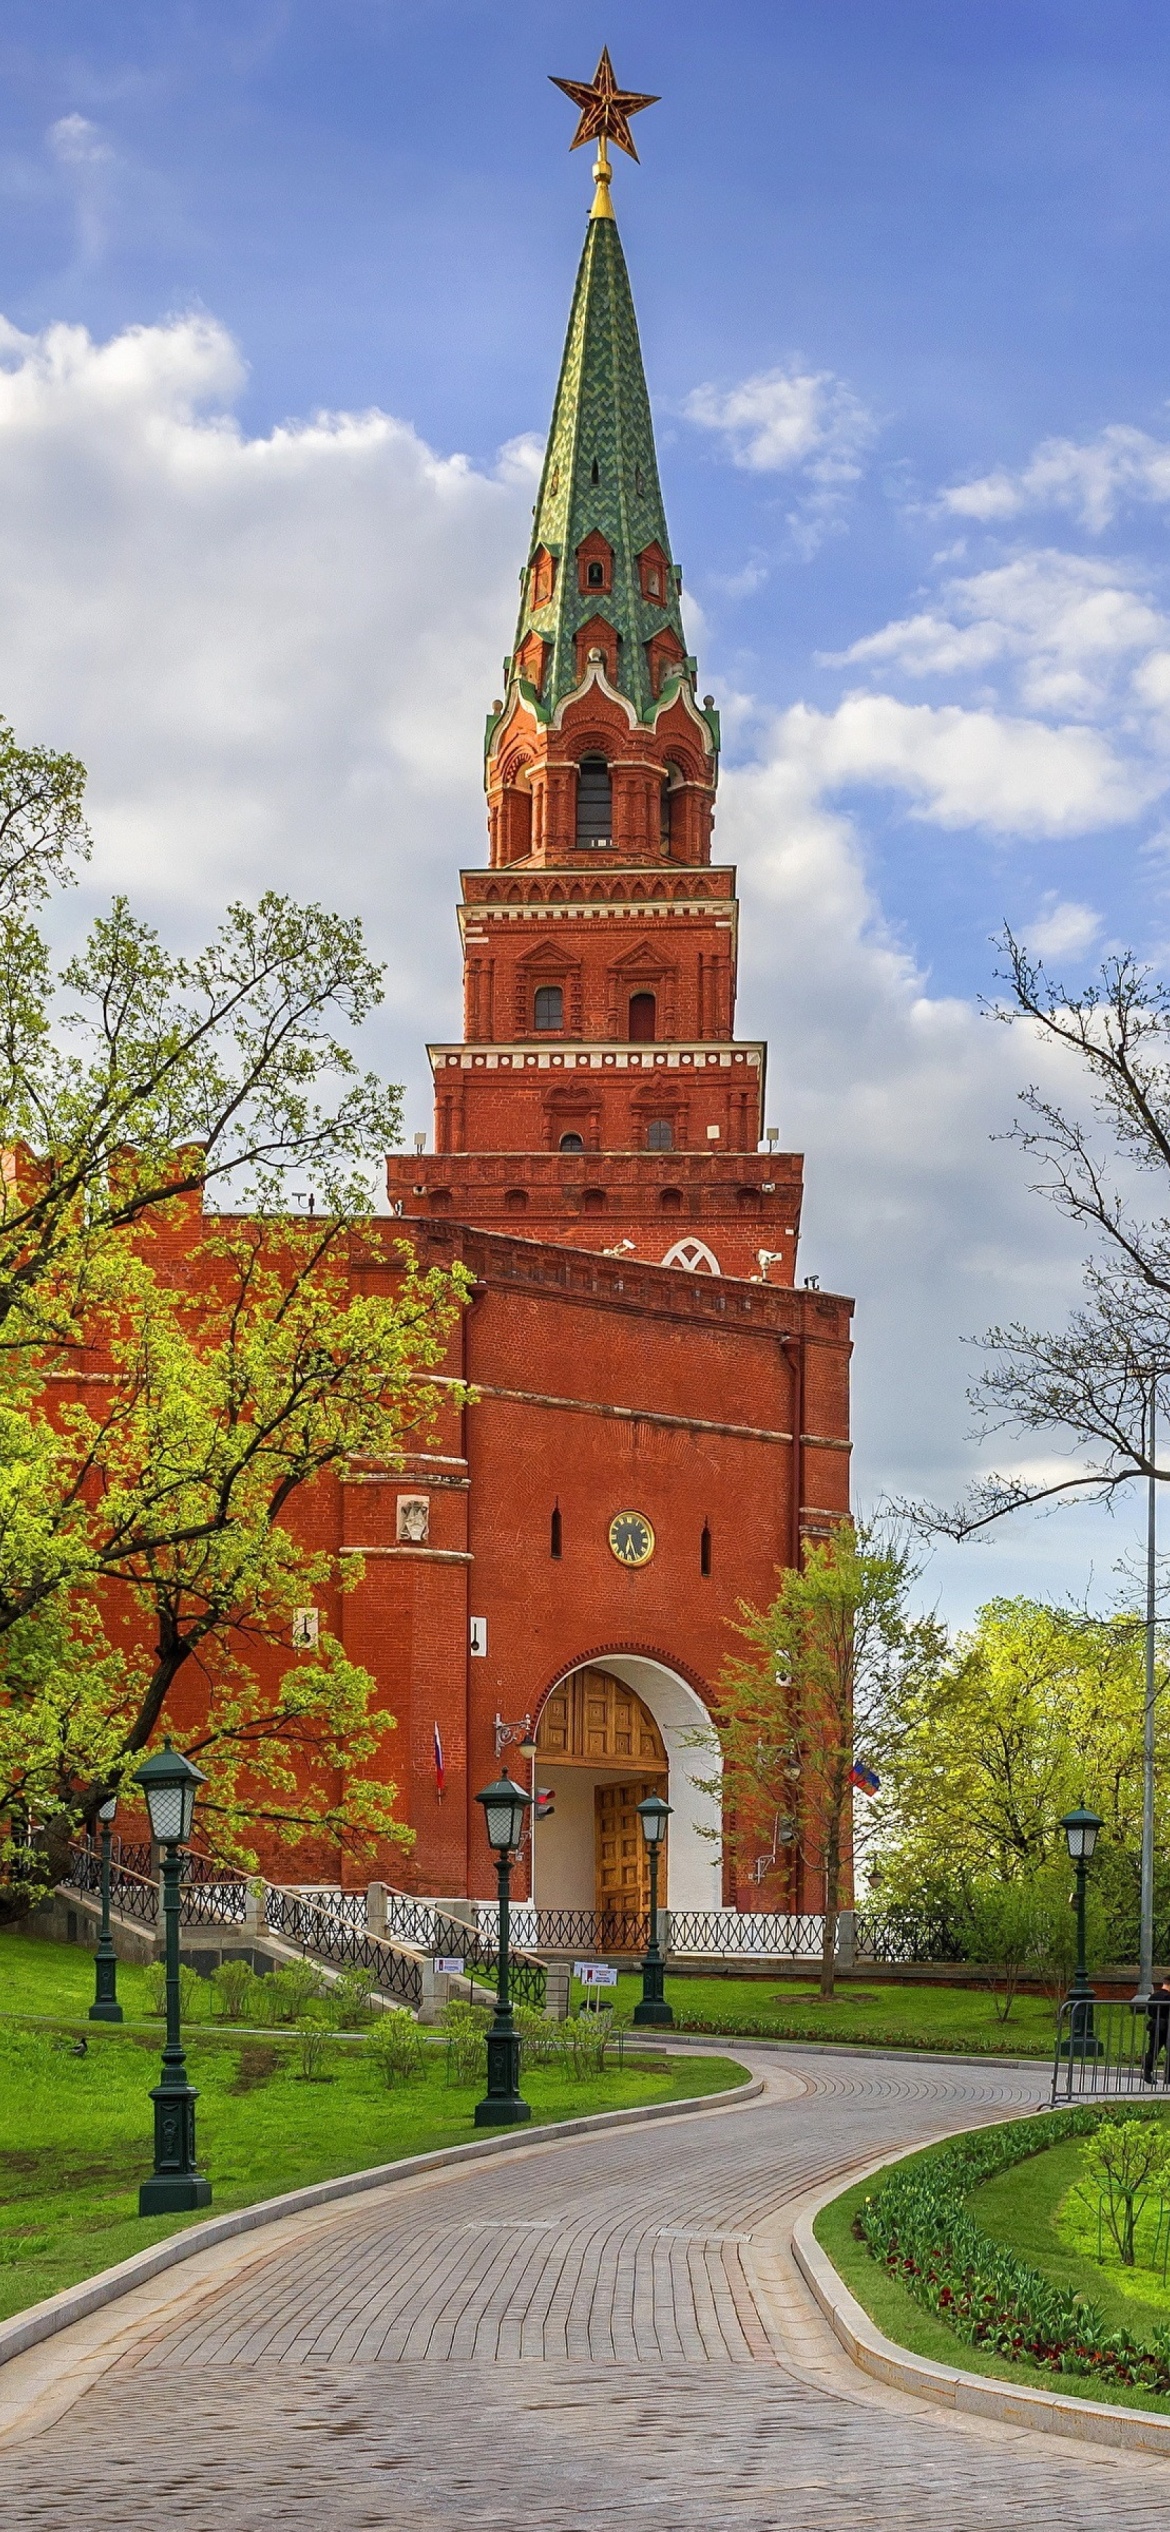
(694, 1871)
(564, 1844)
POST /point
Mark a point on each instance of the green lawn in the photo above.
(56, 1978)
(1037, 2211)
(962, 2018)
(1018, 2207)
(75, 2132)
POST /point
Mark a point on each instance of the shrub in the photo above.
(587, 2038)
(541, 2040)
(465, 2026)
(918, 2227)
(235, 1989)
(396, 2045)
(1126, 2164)
(349, 2000)
(316, 2049)
(193, 1991)
(290, 1989)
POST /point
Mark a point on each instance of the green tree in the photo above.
(831, 1665)
(1034, 1708)
(173, 1378)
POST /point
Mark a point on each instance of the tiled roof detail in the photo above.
(600, 477)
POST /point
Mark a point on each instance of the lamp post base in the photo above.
(653, 2010)
(502, 2105)
(502, 2110)
(172, 2193)
(103, 2012)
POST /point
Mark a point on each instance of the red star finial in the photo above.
(605, 108)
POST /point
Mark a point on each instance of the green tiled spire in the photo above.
(601, 425)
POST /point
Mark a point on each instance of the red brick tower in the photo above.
(599, 1095)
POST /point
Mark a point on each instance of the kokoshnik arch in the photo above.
(660, 1416)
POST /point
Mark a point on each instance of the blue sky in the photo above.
(901, 272)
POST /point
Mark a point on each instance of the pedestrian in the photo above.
(1157, 2032)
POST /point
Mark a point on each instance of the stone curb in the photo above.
(971, 2395)
(75, 2303)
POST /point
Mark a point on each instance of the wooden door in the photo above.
(594, 1720)
(623, 1873)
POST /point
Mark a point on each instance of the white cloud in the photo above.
(78, 143)
(899, 1099)
(959, 769)
(792, 421)
(1064, 624)
(1091, 478)
(1063, 929)
(273, 653)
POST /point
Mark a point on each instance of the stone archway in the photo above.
(574, 1760)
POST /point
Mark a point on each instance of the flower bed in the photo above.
(918, 2227)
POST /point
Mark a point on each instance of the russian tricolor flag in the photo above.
(864, 1778)
(438, 1764)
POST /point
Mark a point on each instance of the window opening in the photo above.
(704, 1550)
(554, 1531)
(549, 1007)
(572, 1143)
(660, 1135)
(643, 1013)
(594, 804)
(595, 575)
(595, 476)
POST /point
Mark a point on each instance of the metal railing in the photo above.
(575, 1929)
(687, 1933)
(329, 1937)
(131, 1894)
(1110, 2051)
(528, 1978)
(903, 1939)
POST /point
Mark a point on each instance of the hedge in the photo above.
(917, 2225)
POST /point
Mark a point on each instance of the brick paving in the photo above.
(604, 2332)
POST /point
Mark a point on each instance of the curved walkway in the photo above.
(605, 2332)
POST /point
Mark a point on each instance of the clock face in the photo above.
(631, 1538)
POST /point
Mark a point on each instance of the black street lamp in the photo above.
(1082, 1829)
(170, 1784)
(653, 1814)
(504, 1806)
(105, 2006)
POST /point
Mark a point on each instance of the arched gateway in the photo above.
(609, 1733)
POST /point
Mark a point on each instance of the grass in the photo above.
(57, 1978)
(1035, 2209)
(75, 2131)
(895, 2016)
(1038, 2186)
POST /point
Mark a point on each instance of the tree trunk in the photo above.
(832, 1908)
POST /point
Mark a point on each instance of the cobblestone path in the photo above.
(607, 2332)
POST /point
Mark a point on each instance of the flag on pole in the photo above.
(864, 1778)
(438, 1764)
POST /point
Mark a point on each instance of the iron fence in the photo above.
(135, 1853)
(331, 1938)
(131, 1894)
(904, 1939)
(726, 1934)
(528, 1979)
(1111, 2051)
(576, 1930)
